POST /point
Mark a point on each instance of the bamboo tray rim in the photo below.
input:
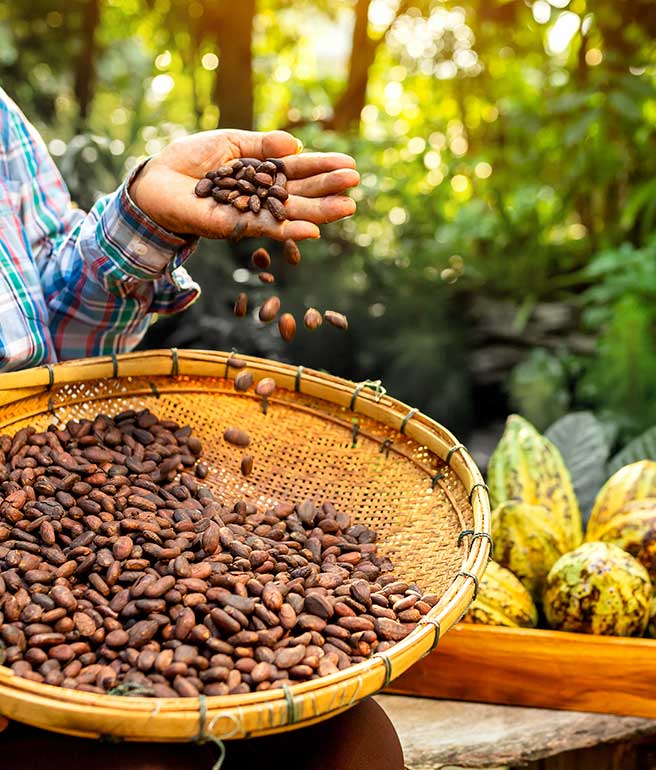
(367, 398)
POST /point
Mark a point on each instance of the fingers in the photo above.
(304, 215)
(223, 220)
(329, 183)
(312, 163)
(320, 210)
(257, 144)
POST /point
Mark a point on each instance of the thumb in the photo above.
(269, 144)
(277, 144)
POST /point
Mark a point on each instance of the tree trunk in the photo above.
(347, 109)
(85, 71)
(346, 113)
(233, 87)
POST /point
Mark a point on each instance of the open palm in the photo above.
(164, 189)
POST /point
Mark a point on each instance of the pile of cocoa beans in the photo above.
(121, 572)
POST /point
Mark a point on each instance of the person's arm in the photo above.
(104, 273)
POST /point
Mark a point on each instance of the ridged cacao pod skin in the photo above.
(636, 481)
(526, 542)
(598, 589)
(526, 466)
(633, 529)
(502, 601)
(651, 626)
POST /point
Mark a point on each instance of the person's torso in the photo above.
(25, 338)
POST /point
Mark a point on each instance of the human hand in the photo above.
(164, 188)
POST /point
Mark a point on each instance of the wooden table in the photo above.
(438, 733)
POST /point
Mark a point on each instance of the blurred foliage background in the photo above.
(504, 252)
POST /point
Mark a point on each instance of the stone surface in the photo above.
(437, 734)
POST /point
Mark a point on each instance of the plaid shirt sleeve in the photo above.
(103, 274)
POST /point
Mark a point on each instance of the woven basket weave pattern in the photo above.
(303, 447)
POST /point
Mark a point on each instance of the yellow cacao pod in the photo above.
(502, 601)
(527, 542)
(632, 482)
(598, 589)
(651, 626)
(527, 467)
(633, 529)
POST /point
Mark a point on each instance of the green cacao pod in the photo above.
(502, 601)
(527, 467)
(633, 529)
(527, 542)
(632, 482)
(598, 589)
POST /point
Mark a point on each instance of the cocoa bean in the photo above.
(291, 252)
(290, 656)
(277, 209)
(312, 319)
(276, 191)
(265, 387)
(263, 179)
(243, 381)
(336, 319)
(237, 437)
(287, 326)
(269, 309)
(204, 188)
(246, 465)
(241, 305)
(261, 259)
(390, 629)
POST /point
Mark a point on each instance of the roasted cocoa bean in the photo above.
(276, 208)
(269, 309)
(287, 326)
(237, 437)
(312, 319)
(336, 319)
(261, 259)
(246, 465)
(291, 252)
(241, 305)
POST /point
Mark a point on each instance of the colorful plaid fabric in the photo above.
(75, 284)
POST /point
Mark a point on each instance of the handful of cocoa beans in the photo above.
(248, 184)
(120, 571)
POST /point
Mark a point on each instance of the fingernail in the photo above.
(299, 146)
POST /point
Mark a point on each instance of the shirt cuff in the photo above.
(143, 249)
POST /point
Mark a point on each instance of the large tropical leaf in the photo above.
(641, 448)
(581, 440)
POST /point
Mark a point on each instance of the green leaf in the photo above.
(641, 197)
(581, 439)
(641, 448)
(625, 106)
(578, 130)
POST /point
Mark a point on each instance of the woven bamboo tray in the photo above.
(321, 438)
